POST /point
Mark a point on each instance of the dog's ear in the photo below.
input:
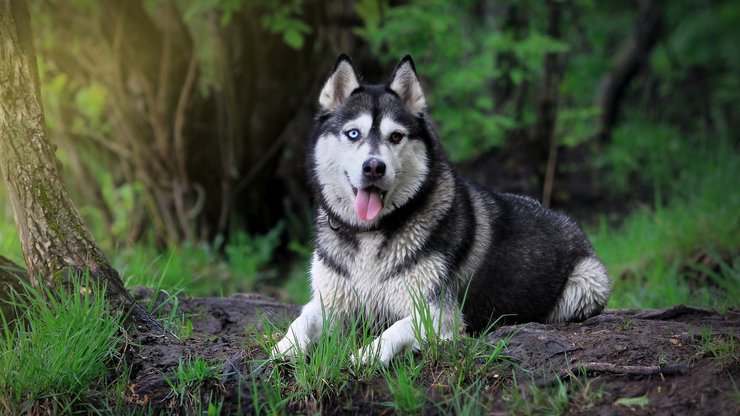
(342, 81)
(405, 83)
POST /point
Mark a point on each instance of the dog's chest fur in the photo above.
(372, 272)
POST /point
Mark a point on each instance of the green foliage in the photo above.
(201, 269)
(316, 378)
(267, 395)
(284, 18)
(194, 9)
(246, 253)
(462, 54)
(60, 350)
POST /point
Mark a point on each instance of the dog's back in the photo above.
(534, 263)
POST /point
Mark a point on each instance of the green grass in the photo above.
(402, 380)
(325, 369)
(201, 270)
(465, 401)
(720, 347)
(268, 395)
(575, 394)
(189, 379)
(649, 257)
(59, 354)
(328, 371)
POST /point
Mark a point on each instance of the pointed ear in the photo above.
(405, 83)
(341, 83)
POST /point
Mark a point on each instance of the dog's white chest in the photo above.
(379, 278)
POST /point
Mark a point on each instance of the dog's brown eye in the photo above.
(396, 137)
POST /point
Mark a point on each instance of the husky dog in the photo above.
(396, 223)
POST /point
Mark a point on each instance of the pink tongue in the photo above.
(367, 204)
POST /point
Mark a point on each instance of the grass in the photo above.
(403, 383)
(57, 356)
(327, 371)
(189, 380)
(268, 395)
(575, 394)
(312, 376)
(651, 256)
(200, 269)
(465, 401)
(722, 348)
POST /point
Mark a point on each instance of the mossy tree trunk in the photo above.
(56, 243)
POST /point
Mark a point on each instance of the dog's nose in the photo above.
(373, 168)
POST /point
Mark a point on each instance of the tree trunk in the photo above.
(56, 243)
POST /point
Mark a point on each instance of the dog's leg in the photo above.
(407, 331)
(302, 332)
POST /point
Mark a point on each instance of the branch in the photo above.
(630, 60)
(616, 369)
(547, 109)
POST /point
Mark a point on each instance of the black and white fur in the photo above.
(438, 235)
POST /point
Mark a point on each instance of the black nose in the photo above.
(373, 168)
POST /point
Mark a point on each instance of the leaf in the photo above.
(641, 401)
(293, 38)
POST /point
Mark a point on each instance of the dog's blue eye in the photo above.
(353, 134)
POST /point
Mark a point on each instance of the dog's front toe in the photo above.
(285, 350)
(372, 354)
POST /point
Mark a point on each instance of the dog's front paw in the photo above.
(285, 350)
(372, 354)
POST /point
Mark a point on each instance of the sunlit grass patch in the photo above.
(58, 351)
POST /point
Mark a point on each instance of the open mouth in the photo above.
(368, 202)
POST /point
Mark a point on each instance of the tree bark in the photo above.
(56, 243)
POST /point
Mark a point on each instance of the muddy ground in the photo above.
(679, 360)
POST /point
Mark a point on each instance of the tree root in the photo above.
(616, 369)
(674, 312)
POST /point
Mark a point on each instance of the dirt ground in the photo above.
(679, 360)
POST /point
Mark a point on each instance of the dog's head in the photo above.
(371, 154)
